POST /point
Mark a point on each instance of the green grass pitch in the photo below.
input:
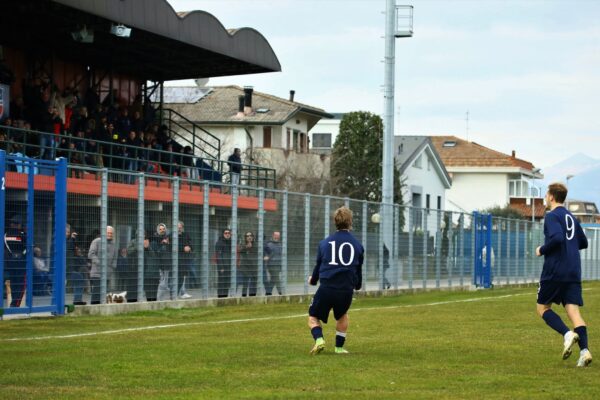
(485, 344)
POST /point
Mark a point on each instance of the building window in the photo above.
(439, 199)
(428, 164)
(518, 188)
(321, 140)
(427, 201)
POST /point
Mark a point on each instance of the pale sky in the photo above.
(528, 72)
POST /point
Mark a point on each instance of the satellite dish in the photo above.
(201, 82)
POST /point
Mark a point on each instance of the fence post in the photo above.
(284, 243)
(174, 289)
(450, 257)
(411, 242)
(234, 241)
(261, 233)
(395, 258)
(424, 249)
(2, 224)
(438, 253)
(327, 217)
(204, 274)
(60, 226)
(306, 241)
(103, 243)
(365, 211)
(380, 244)
(140, 236)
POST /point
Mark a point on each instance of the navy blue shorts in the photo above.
(326, 299)
(560, 293)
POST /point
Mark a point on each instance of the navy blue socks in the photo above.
(317, 332)
(553, 321)
(583, 339)
(340, 338)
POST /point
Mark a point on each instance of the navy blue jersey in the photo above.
(339, 262)
(563, 240)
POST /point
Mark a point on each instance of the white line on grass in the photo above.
(234, 321)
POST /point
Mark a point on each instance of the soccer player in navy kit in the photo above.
(561, 276)
(339, 267)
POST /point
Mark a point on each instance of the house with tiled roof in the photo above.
(483, 178)
(271, 131)
(422, 171)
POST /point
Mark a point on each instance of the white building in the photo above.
(483, 178)
(324, 133)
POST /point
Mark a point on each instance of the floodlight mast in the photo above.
(398, 23)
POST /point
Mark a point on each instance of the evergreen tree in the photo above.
(357, 156)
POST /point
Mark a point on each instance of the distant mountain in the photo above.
(585, 183)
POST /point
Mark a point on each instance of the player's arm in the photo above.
(555, 236)
(361, 259)
(581, 238)
(314, 277)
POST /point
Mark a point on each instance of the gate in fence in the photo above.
(33, 205)
(484, 252)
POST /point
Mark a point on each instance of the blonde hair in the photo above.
(343, 218)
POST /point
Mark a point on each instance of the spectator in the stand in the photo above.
(137, 123)
(187, 162)
(248, 265)
(109, 149)
(235, 166)
(223, 259)
(79, 120)
(161, 245)
(123, 124)
(60, 100)
(51, 126)
(93, 154)
(185, 260)
(134, 150)
(111, 259)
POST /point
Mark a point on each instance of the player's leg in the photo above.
(317, 333)
(548, 293)
(343, 300)
(585, 357)
(318, 311)
(341, 327)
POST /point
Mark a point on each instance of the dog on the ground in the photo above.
(116, 297)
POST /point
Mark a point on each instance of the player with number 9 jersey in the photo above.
(560, 281)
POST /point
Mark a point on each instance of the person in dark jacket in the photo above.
(235, 166)
(248, 265)
(223, 257)
(184, 244)
(15, 262)
(161, 245)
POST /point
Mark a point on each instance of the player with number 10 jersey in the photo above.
(339, 268)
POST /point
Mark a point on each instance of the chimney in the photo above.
(240, 113)
(513, 154)
(292, 93)
(248, 100)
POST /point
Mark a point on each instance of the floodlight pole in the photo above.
(392, 31)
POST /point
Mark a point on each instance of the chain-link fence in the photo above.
(158, 237)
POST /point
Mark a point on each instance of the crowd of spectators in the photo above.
(62, 123)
